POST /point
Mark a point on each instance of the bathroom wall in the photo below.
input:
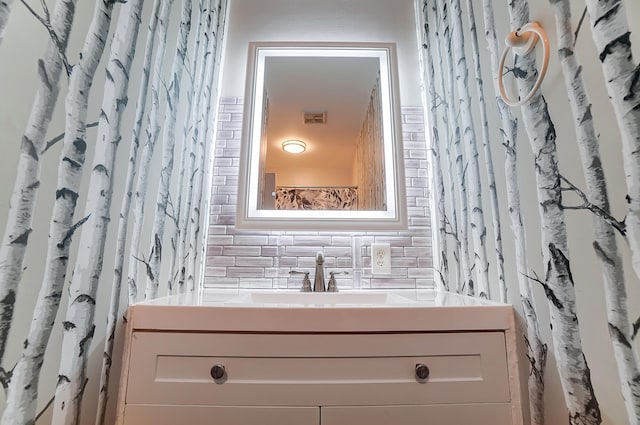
(263, 259)
(330, 21)
(250, 259)
(575, 314)
(370, 144)
(303, 176)
(72, 294)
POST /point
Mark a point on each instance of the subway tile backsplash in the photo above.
(263, 259)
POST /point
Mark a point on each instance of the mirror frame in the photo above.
(248, 216)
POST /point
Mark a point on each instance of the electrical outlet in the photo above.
(380, 258)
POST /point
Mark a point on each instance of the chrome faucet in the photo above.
(306, 283)
(318, 284)
(332, 286)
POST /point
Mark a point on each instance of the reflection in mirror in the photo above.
(321, 145)
(336, 124)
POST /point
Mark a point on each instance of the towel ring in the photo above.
(523, 41)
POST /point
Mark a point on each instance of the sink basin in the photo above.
(322, 298)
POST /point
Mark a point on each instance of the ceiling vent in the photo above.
(315, 117)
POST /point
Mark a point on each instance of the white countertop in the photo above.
(234, 311)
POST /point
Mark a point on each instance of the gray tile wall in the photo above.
(263, 259)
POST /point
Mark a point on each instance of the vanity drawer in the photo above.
(317, 369)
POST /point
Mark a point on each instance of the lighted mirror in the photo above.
(321, 143)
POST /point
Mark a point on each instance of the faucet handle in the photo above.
(333, 286)
(306, 283)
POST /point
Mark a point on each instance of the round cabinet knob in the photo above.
(422, 371)
(217, 372)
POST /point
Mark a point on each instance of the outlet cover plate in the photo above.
(380, 258)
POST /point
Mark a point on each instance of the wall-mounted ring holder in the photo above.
(523, 41)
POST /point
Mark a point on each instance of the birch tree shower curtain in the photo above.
(106, 110)
(554, 151)
(100, 93)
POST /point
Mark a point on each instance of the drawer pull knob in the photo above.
(422, 371)
(217, 372)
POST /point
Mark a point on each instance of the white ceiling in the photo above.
(340, 86)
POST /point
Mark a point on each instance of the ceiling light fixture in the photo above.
(294, 146)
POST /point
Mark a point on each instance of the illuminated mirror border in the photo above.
(250, 217)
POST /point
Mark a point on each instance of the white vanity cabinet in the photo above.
(330, 375)
(213, 415)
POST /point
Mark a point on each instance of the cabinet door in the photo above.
(140, 414)
(442, 414)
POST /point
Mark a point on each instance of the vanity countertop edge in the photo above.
(195, 313)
